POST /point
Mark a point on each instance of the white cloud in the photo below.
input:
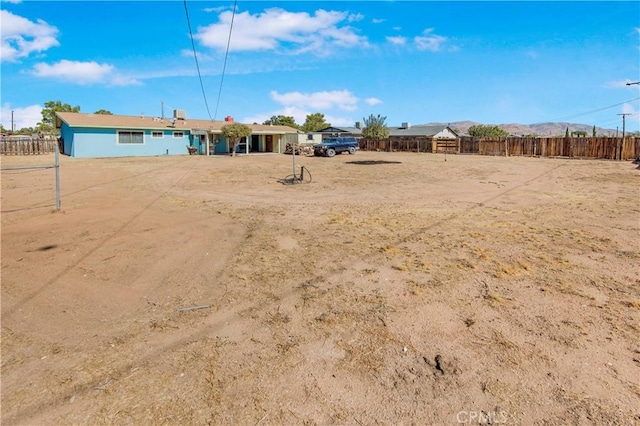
(83, 73)
(341, 38)
(215, 9)
(342, 99)
(633, 119)
(532, 54)
(355, 17)
(429, 41)
(397, 40)
(259, 118)
(279, 29)
(377, 21)
(21, 37)
(117, 79)
(298, 105)
(202, 56)
(299, 115)
(339, 120)
(22, 117)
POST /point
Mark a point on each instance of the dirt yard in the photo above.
(396, 288)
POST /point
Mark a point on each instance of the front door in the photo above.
(255, 143)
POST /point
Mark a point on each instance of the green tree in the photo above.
(593, 131)
(579, 133)
(234, 132)
(314, 122)
(375, 127)
(48, 123)
(566, 133)
(282, 120)
(103, 112)
(487, 131)
(26, 131)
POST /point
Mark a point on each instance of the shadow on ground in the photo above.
(372, 162)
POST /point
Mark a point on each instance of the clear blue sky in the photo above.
(411, 61)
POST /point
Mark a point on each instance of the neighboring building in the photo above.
(438, 138)
(442, 138)
(355, 131)
(405, 130)
(103, 135)
(433, 132)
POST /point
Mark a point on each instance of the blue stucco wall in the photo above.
(67, 137)
(222, 147)
(93, 142)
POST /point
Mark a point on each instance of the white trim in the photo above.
(180, 132)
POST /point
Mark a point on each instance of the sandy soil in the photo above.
(396, 288)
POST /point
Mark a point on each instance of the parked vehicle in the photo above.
(336, 145)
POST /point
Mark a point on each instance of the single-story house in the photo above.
(355, 131)
(442, 137)
(103, 135)
(405, 130)
(440, 131)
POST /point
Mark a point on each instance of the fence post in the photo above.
(57, 166)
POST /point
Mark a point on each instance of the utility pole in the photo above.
(12, 125)
(623, 128)
(162, 106)
(629, 84)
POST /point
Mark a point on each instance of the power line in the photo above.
(226, 54)
(568, 117)
(195, 56)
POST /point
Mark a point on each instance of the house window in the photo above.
(310, 137)
(178, 134)
(157, 134)
(129, 137)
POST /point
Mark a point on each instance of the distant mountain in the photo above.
(540, 129)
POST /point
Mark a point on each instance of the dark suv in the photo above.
(336, 145)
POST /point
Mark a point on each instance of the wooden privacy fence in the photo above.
(407, 144)
(27, 146)
(574, 147)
